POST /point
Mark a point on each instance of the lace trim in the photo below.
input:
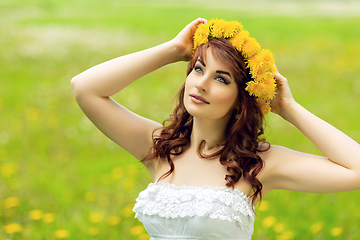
(171, 201)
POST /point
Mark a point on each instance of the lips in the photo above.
(199, 98)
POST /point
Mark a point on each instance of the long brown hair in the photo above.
(244, 132)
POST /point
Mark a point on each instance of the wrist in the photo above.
(291, 112)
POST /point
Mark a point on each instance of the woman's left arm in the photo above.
(338, 171)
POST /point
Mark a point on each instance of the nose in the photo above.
(201, 84)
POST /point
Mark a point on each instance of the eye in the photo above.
(222, 80)
(198, 69)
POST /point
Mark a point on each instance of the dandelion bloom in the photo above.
(113, 220)
(13, 228)
(250, 47)
(136, 230)
(336, 231)
(35, 214)
(62, 233)
(95, 217)
(268, 221)
(11, 202)
(48, 217)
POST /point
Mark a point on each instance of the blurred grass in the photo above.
(52, 159)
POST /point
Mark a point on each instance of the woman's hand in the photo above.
(184, 40)
(283, 99)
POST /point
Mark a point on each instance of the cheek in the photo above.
(228, 98)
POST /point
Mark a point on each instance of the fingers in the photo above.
(198, 21)
(280, 79)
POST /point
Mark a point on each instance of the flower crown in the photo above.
(260, 62)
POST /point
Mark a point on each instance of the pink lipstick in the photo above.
(198, 99)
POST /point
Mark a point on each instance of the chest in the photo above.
(192, 170)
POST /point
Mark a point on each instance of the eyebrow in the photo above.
(218, 71)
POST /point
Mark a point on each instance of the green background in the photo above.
(52, 158)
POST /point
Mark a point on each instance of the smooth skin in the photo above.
(338, 171)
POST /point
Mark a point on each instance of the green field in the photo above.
(60, 178)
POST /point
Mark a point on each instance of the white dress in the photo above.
(186, 212)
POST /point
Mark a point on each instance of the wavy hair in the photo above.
(244, 132)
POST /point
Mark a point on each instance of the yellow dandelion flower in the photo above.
(49, 217)
(250, 47)
(127, 211)
(279, 227)
(93, 231)
(136, 230)
(257, 89)
(61, 233)
(286, 235)
(218, 28)
(267, 57)
(264, 206)
(231, 28)
(316, 227)
(8, 169)
(270, 88)
(259, 73)
(336, 231)
(264, 106)
(254, 62)
(268, 221)
(201, 35)
(143, 236)
(238, 39)
(90, 197)
(113, 220)
(36, 214)
(117, 173)
(13, 228)
(11, 202)
(95, 217)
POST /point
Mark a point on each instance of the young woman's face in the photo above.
(210, 90)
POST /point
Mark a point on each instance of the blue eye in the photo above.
(198, 69)
(222, 80)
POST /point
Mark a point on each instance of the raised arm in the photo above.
(287, 169)
(93, 88)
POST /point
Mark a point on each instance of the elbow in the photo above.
(76, 86)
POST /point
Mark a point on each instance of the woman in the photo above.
(210, 165)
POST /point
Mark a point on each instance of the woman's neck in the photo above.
(212, 131)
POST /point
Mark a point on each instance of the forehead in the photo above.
(210, 58)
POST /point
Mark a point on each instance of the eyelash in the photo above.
(223, 80)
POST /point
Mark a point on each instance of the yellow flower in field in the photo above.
(62, 233)
(264, 206)
(13, 228)
(238, 39)
(268, 221)
(90, 197)
(250, 47)
(95, 217)
(316, 227)
(117, 173)
(336, 231)
(8, 169)
(48, 217)
(286, 236)
(35, 214)
(113, 220)
(143, 236)
(93, 231)
(11, 202)
(279, 227)
(32, 114)
(127, 211)
(136, 230)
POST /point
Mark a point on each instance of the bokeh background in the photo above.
(60, 178)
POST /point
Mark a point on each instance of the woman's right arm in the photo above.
(93, 88)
